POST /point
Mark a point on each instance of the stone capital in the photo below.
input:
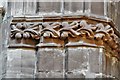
(75, 31)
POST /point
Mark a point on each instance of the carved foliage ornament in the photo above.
(24, 30)
(62, 30)
(65, 29)
(75, 28)
(97, 32)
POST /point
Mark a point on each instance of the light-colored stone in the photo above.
(50, 75)
(94, 60)
(78, 58)
(50, 59)
(75, 75)
(20, 62)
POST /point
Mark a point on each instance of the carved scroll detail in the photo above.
(49, 30)
(62, 30)
(97, 31)
(24, 30)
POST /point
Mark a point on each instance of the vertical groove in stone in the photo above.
(37, 54)
(36, 63)
(62, 6)
(66, 57)
(0, 46)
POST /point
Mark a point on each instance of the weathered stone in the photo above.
(75, 75)
(85, 60)
(77, 59)
(78, 62)
(50, 75)
(12, 76)
(50, 59)
(53, 62)
(30, 71)
(95, 60)
(50, 63)
(27, 77)
(0, 66)
(20, 61)
(108, 65)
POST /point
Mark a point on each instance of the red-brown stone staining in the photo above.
(98, 32)
(104, 31)
(82, 28)
(86, 29)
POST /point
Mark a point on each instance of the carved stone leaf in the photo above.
(23, 30)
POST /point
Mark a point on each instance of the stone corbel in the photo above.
(67, 31)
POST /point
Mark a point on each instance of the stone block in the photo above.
(77, 59)
(50, 59)
(20, 63)
(28, 63)
(51, 74)
(30, 71)
(96, 60)
(75, 75)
